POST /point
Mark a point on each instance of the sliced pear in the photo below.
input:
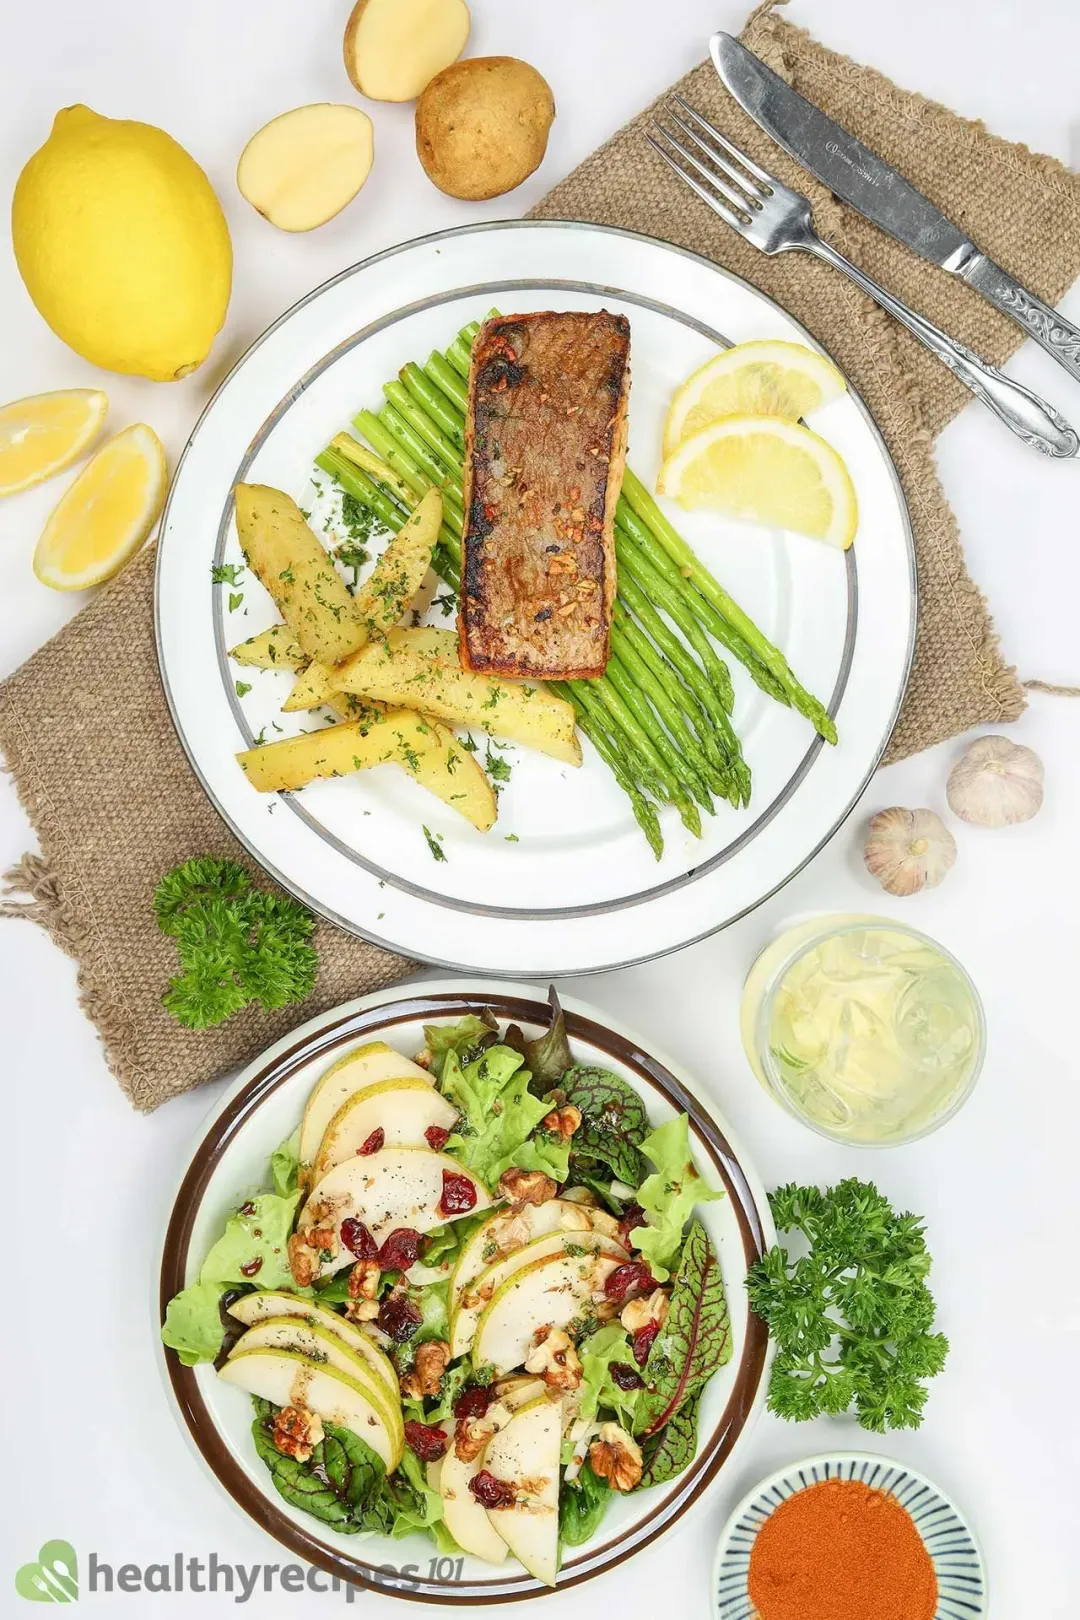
(469, 1304)
(402, 1109)
(318, 1344)
(274, 1303)
(400, 1186)
(547, 1293)
(363, 1066)
(508, 1230)
(289, 1379)
(463, 1515)
(526, 1454)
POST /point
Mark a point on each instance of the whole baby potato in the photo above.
(482, 126)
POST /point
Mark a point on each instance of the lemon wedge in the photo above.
(765, 470)
(107, 513)
(44, 433)
(752, 379)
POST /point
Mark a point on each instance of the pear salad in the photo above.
(477, 1301)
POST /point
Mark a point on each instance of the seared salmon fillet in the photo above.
(545, 450)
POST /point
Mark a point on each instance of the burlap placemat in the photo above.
(84, 727)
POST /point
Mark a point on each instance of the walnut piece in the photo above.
(526, 1187)
(472, 1434)
(562, 1121)
(556, 1361)
(432, 1360)
(362, 1310)
(616, 1457)
(364, 1280)
(303, 1261)
(297, 1431)
(638, 1313)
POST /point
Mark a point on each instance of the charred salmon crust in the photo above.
(545, 449)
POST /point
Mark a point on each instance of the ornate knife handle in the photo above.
(1028, 416)
(1049, 329)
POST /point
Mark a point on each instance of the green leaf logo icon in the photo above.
(54, 1578)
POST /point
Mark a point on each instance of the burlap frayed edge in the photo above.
(51, 907)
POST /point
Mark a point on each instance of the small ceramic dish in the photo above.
(954, 1552)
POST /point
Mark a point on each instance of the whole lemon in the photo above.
(122, 245)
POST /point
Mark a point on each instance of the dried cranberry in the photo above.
(491, 1492)
(400, 1249)
(436, 1137)
(624, 1375)
(246, 1209)
(429, 1444)
(374, 1141)
(458, 1194)
(643, 1342)
(632, 1219)
(473, 1402)
(632, 1278)
(358, 1240)
(250, 1267)
(398, 1317)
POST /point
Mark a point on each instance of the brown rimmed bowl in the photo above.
(231, 1160)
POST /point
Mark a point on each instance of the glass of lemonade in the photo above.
(863, 1028)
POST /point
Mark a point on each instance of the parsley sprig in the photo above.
(851, 1317)
(236, 944)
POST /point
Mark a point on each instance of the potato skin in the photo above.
(482, 126)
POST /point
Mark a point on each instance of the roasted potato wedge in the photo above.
(392, 671)
(276, 648)
(388, 594)
(295, 567)
(427, 751)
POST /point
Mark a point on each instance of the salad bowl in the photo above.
(230, 1163)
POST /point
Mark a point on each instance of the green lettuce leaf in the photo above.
(193, 1325)
(465, 1038)
(257, 1231)
(501, 1115)
(285, 1165)
(695, 1339)
(668, 1197)
(582, 1504)
(673, 1449)
(598, 1389)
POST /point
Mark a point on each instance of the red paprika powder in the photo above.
(841, 1551)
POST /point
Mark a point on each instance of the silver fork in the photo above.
(777, 220)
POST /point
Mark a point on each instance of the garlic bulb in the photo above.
(996, 784)
(909, 850)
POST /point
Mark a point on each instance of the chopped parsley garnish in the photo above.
(446, 602)
(235, 599)
(497, 768)
(243, 688)
(226, 573)
(437, 851)
(287, 575)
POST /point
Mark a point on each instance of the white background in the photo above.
(91, 1449)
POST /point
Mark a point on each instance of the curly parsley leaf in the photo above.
(852, 1315)
(236, 944)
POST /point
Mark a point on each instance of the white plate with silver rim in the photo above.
(565, 881)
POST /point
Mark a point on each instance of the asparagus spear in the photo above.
(608, 748)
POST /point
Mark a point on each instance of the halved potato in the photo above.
(304, 166)
(393, 48)
(396, 671)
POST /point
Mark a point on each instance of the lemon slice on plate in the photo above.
(752, 379)
(765, 470)
(107, 513)
(44, 433)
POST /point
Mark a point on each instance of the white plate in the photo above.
(565, 881)
(231, 1160)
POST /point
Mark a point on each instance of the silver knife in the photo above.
(876, 190)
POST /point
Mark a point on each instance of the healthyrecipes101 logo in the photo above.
(54, 1578)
